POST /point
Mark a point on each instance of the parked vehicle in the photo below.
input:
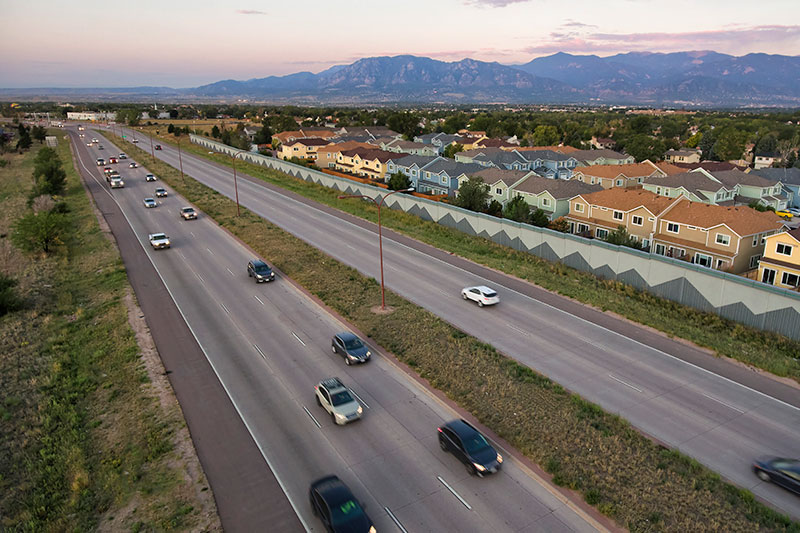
(259, 270)
(334, 503)
(785, 213)
(159, 240)
(783, 472)
(481, 294)
(336, 399)
(461, 439)
(350, 347)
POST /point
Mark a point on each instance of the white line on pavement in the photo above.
(360, 400)
(311, 416)
(225, 308)
(729, 406)
(454, 492)
(259, 299)
(298, 338)
(395, 520)
(624, 383)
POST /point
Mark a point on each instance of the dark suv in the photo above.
(340, 511)
(351, 348)
(260, 270)
(470, 447)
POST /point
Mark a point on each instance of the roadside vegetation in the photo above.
(643, 486)
(89, 442)
(762, 349)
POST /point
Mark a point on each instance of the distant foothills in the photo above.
(680, 79)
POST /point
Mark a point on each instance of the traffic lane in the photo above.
(246, 493)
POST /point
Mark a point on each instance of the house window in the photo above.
(672, 227)
(755, 240)
(619, 183)
(660, 250)
(637, 220)
(783, 249)
(444, 180)
(498, 191)
(579, 208)
(703, 260)
(723, 239)
(676, 252)
(546, 202)
(792, 280)
(721, 264)
(645, 243)
(618, 215)
(768, 276)
(592, 180)
(601, 233)
(583, 228)
(413, 172)
(754, 260)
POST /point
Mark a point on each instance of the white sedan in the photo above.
(481, 294)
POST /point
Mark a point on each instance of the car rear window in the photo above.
(341, 397)
(490, 294)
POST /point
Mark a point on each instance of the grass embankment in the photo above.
(769, 351)
(87, 442)
(638, 483)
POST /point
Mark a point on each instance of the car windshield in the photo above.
(262, 269)
(353, 344)
(188, 210)
(341, 397)
(475, 443)
(345, 511)
(159, 236)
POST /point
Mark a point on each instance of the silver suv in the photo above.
(337, 399)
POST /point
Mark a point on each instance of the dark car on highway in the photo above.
(461, 439)
(337, 507)
(158, 147)
(783, 472)
(260, 270)
(351, 348)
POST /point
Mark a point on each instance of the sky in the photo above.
(180, 43)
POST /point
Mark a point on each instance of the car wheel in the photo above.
(470, 470)
(442, 445)
(318, 402)
(480, 303)
(347, 361)
(763, 476)
(464, 295)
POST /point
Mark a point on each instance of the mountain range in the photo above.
(690, 79)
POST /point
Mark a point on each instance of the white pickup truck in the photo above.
(116, 182)
(159, 240)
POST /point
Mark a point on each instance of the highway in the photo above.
(719, 421)
(269, 345)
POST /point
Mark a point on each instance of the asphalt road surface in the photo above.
(269, 345)
(715, 411)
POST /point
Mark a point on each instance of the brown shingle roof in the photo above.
(496, 143)
(635, 170)
(627, 199)
(493, 175)
(668, 168)
(311, 141)
(741, 219)
(371, 154)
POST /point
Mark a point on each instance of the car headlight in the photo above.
(353, 357)
(368, 354)
(499, 458)
(479, 468)
(372, 529)
(340, 416)
(360, 410)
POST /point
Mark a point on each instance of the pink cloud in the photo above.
(250, 12)
(493, 3)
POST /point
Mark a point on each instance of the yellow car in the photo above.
(784, 214)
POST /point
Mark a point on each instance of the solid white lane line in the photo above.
(312, 417)
(298, 338)
(183, 256)
(349, 246)
(624, 383)
(229, 271)
(200, 278)
(260, 352)
(209, 251)
(360, 400)
(259, 299)
(729, 406)
(454, 492)
(395, 520)
(515, 328)
(225, 308)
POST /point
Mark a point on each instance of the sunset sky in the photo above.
(180, 43)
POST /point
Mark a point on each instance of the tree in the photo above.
(559, 224)
(473, 194)
(767, 144)
(171, 128)
(621, 237)
(454, 123)
(399, 181)
(643, 147)
(730, 144)
(48, 175)
(173, 113)
(539, 218)
(129, 116)
(39, 133)
(40, 231)
(452, 149)
(215, 132)
(9, 300)
(264, 135)
(405, 123)
(694, 140)
(495, 209)
(24, 142)
(545, 136)
(517, 209)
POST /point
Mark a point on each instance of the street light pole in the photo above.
(380, 231)
(235, 186)
(152, 153)
(180, 159)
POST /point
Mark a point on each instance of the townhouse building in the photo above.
(444, 176)
(365, 162)
(780, 264)
(410, 165)
(607, 176)
(601, 157)
(305, 148)
(287, 136)
(697, 186)
(329, 154)
(407, 147)
(440, 141)
(549, 195)
(789, 178)
(501, 181)
(682, 156)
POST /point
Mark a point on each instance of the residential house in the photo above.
(411, 166)
(441, 140)
(328, 155)
(368, 131)
(501, 181)
(364, 162)
(599, 213)
(472, 134)
(564, 149)
(487, 142)
(502, 159)
(444, 176)
(780, 264)
(549, 195)
(603, 143)
(711, 166)
(766, 160)
(549, 164)
(288, 136)
(251, 132)
(601, 157)
(750, 187)
(687, 155)
(788, 177)
(305, 148)
(631, 175)
(468, 156)
(408, 147)
(720, 237)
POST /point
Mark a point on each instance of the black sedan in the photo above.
(461, 439)
(340, 511)
(351, 348)
(783, 472)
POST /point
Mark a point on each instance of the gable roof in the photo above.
(633, 170)
(310, 141)
(477, 151)
(594, 155)
(370, 154)
(408, 160)
(501, 157)
(741, 219)
(683, 152)
(784, 175)
(346, 145)
(558, 189)
(668, 168)
(496, 143)
(452, 168)
(566, 149)
(711, 166)
(694, 182)
(492, 175)
(627, 199)
(731, 178)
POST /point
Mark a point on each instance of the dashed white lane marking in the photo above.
(457, 495)
(625, 383)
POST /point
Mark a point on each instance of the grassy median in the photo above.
(640, 484)
(88, 444)
(769, 351)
